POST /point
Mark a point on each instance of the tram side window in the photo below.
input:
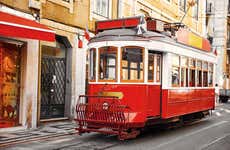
(158, 68)
(199, 73)
(210, 74)
(154, 67)
(132, 64)
(92, 66)
(205, 74)
(192, 70)
(107, 63)
(151, 67)
(175, 70)
(184, 71)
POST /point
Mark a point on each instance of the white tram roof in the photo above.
(128, 35)
(149, 39)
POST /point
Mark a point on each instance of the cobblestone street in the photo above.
(210, 133)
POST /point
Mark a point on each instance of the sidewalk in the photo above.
(45, 131)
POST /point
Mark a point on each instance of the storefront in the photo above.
(19, 69)
(10, 83)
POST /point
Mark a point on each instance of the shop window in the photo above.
(184, 71)
(101, 7)
(107, 63)
(92, 66)
(210, 74)
(175, 70)
(192, 70)
(132, 64)
(9, 85)
(205, 74)
(199, 73)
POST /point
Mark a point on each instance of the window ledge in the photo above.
(99, 17)
(68, 5)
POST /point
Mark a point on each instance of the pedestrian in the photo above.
(217, 90)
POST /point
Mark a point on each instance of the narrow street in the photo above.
(210, 133)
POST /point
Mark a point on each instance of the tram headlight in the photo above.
(105, 106)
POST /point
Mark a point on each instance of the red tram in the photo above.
(140, 76)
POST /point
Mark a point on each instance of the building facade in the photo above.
(19, 65)
(218, 34)
(189, 12)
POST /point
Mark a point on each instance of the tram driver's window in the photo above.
(175, 70)
(92, 65)
(210, 74)
(192, 70)
(107, 63)
(132, 64)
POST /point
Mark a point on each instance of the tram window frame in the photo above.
(184, 67)
(129, 64)
(113, 49)
(92, 62)
(210, 72)
(176, 66)
(192, 72)
(154, 73)
(199, 73)
(158, 68)
(205, 74)
(151, 71)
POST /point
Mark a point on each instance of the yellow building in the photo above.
(171, 11)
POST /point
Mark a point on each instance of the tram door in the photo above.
(154, 80)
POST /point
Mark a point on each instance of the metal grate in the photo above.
(53, 77)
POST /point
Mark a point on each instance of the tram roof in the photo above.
(129, 35)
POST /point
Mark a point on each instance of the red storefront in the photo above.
(16, 36)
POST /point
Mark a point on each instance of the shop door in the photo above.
(53, 83)
(9, 84)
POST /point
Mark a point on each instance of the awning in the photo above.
(14, 26)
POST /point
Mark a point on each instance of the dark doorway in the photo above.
(53, 79)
